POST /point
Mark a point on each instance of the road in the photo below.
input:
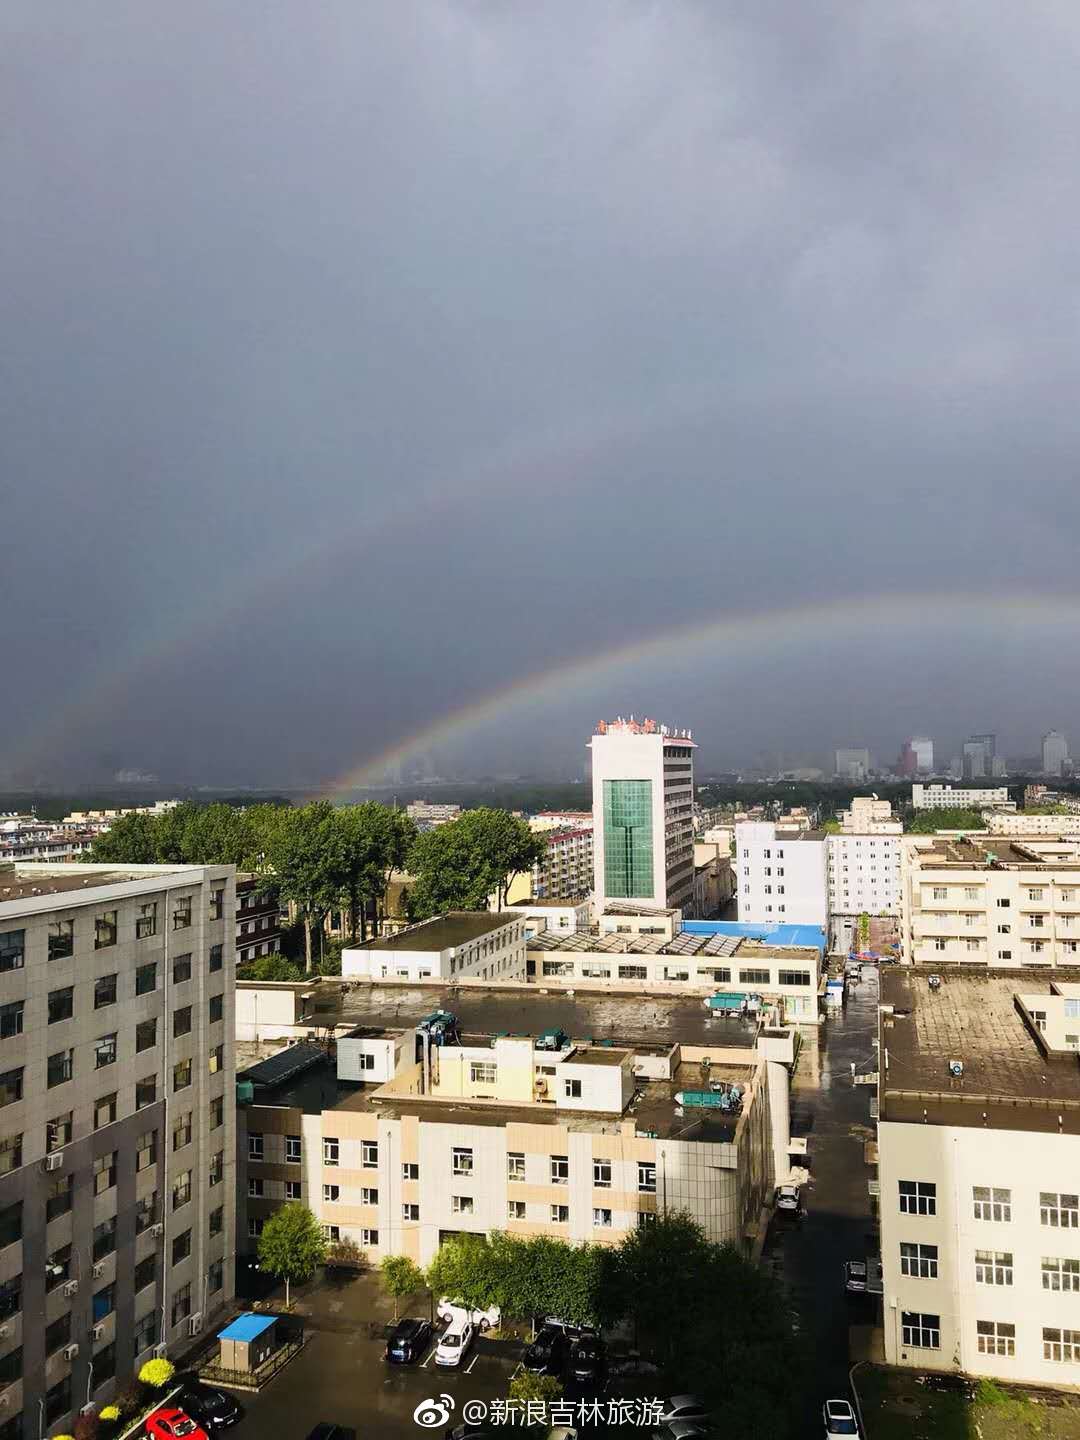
(809, 1254)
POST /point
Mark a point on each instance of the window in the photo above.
(146, 978)
(560, 1170)
(410, 1170)
(462, 1161)
(145, 1272)
(58, 1400)
(58, 1198)
(146, 921)
(461, 1204)
(918, 1261)
(181, 970)
(993, 1267)
(602, 1218)
(146, 1150)
(1061, 1344)
(105, 1238)
(217, 1059)
(365, 1061)
(58, 1334)
(217, 1008)
(754, 976)
(1059, 1274)
(996, 1337)
(331, 1194)
(181, 1075)
(58, 1267)
(61, 939)
(793, 977)
(12, 949)
(11, 1297)
(105, 1051)
(992, 1204)
(918, 1197)
(217, 958)
(601, 1174)
(181, 1192)
(572, 1089)
(256, 1191)
(181, 1021)
(181, 1134)
(292, 1190)
(255, 1145)
(369, 1237)
(104, 1173)
(921, 1331)
(10, 1154)
(560, 1214)
(104, 1111)
(11, 1223)
(255, 1227)
(515, 1209)
(217, 1218)
(105, 930)
(215, 1276)
(633, 972)
(293, 1149)
(145, 1035)
(58, 1132)
(11, 1087)
(217, 902)
(646, 1177)
(217, 1114)
(11, 1020)
(483, 1072)
(1036, 894)
(181, 1305)
(940, 943)
(330, 1151)
(369, 1196)
(217, 1168)
(61, 1004)
(146, 1212)
(59, 1068)
(1061, 1212)
(145, 1092)
(181, 915)
(369, 1154)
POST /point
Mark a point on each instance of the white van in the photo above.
(454, 1342)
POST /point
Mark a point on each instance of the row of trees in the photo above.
(320, 857)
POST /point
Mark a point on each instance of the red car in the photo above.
(172, 1424)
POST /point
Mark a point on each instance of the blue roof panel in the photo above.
(246, 1327)
(771, 934)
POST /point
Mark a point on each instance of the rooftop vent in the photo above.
(956, 1069)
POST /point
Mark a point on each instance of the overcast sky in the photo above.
(359, 359)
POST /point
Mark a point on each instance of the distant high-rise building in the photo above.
(1055, 752)
(852, 764)
(916, 756)
(981, 758)
(643, 800)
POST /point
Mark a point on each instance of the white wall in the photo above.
(781, 879)
(864, 874)
(352, 1052)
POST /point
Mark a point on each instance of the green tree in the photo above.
(303, 850)
(400, 1278)
(463, 1269)
(292, 1246)
(269, 967)
(132, 840)
(374, 842)
(459, 866)
(925, 822)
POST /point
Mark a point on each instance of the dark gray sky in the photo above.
(358, 360)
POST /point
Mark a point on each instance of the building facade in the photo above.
(852, 765)
(258, 920)
(956, 797)
(117, 1149)
(643, 801)
(1055, 753)
(979, 1150)
(990, 901)
(781, 875)
(566, 870)
(864, 872)
(462, 945)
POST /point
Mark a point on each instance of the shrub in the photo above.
(525, 1387)
(129, 1397)
(109, 1412)
(157, 1372)
(86, 1427)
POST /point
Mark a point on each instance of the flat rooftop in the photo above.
(599, 1056)
(551, 902)
(459, 927)
(27, 881)
(1008, 1082)
(990, 852)
(685, 945)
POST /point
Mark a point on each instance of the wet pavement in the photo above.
(808, 1254)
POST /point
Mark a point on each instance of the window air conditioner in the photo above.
(98, 1330)
(71, 1287)
(70, 1351)
(99, 1269)
(194, 1324)
(55, 1160)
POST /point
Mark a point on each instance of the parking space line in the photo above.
(471, 1364)
(427, 1359)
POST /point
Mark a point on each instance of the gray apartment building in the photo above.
(117, 1115)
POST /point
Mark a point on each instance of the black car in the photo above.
(325, 1430)
(587, 1361)
(408, 1341)
(210, 1408)
(547, 1353)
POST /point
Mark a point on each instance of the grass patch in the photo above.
(896, 1405)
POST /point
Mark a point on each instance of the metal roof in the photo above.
(284, 1065)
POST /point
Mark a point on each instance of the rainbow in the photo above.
(717, 639)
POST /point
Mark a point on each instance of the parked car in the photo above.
(855, 1277)
(547, 1353)
(839, 1419)
(683, 1430)
(788, 1198)
(449, 1310)
(213, 1409)
(170, 1423)
(408, 1341)
(586, 1363)
(326, 1430)
(454, 1342)
(684, 1407)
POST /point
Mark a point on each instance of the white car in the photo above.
(787, 1197)
(454, 1343)
(839, 1420)
(450, 1310)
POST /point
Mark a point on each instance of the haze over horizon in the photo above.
(365, 364)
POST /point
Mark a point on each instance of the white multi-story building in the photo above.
(560, 820)
(979, 1153)
(956, 797)
(1026, 822)
(852, 765)
(461, 945)
(1055, 753)
(643, 801)
(869, 816)
(990, 901)
(782, 875)
(117, 1148)
(864, 873)
(428, 814)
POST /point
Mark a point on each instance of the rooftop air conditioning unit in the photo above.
(956, 1069)
(194, 1324)
(70, 1351)
(71, 1287)
(55, 1160)
(98, 1331)
(160, 1351)
(99, 1269)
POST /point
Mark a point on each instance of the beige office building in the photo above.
(979, 1164)
(117, 1149)
(990, 901)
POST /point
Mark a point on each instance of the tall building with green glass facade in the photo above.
(643, 790)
